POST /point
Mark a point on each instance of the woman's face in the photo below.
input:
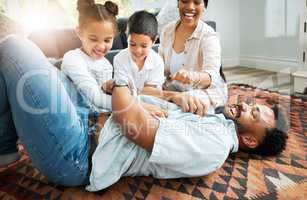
(191, 11)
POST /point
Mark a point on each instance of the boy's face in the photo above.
(139, 46)
(97, 38)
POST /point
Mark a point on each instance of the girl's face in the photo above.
(191, 11)
(139, 46)
(96, 38)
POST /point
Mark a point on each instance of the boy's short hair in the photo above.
(143, 22)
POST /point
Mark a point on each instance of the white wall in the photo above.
(258, 33)
(226, 15)
(269, 31)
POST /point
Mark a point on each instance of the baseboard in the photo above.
(230, 62)
(271, 64)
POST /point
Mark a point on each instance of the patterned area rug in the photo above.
(242, 176)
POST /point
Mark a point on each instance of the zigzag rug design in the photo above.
(242, 176)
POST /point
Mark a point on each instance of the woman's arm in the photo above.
(211, 51)
(199, 80)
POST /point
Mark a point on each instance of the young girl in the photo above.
(87, 67)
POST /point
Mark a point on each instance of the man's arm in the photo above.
(137, 124)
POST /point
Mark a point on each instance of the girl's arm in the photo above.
(76, 69)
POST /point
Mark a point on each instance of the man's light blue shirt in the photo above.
(186, 145)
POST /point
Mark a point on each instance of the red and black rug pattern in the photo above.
(242, 176)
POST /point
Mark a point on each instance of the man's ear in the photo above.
(249, 141)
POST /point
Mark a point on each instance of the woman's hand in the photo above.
(191, 104)
(185, 77)
(200, 80)
(155, 111)
(107, 87)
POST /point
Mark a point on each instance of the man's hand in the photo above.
(107, 87)
(190, 104)
(155, 111)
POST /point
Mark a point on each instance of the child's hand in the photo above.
(107, 87)
(155, 111)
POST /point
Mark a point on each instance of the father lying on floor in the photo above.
(134, 143)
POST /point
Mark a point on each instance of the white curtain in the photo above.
(12, 8)
(38, 14)
(294, 9)
(141, 4)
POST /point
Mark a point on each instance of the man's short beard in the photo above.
(240, 129)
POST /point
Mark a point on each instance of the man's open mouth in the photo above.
(235, 111)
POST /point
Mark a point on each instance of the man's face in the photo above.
(251, 119)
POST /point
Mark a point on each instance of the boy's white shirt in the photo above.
(152, 73)
(89, 75)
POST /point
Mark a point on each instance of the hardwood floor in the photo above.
(263, 79)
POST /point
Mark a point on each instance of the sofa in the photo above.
(56, 42)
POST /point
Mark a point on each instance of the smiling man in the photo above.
(133, 143)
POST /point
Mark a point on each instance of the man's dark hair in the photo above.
(275, 139)
(143, 22)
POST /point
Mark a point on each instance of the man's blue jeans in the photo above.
(40, 107)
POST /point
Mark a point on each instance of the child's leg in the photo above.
(46, 120)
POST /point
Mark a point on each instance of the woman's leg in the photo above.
(48, 122)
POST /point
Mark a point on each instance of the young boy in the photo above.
(139, 63)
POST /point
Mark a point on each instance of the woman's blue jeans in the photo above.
(41, 107)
